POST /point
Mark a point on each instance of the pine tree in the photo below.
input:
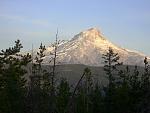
(97, 98)
(54, 62)
(63, 94)
(135, 90)
(145, 86)
(111, 61)
(134, 79)
(13, 82)
(146, 76)
(121, 92)
(76, 101)
(88, 88)
(35, 96)
(84, 92)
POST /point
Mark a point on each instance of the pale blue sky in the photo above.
(124, 22)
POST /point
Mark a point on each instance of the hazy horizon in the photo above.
(125, 23)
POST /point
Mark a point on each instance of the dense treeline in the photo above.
(38, 91)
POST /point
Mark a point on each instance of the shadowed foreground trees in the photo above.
(22, 91)
(12, 80)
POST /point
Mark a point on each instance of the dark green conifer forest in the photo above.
(26, 87)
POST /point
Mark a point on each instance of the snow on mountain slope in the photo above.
(87, 48)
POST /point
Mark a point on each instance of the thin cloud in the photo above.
(40, 22)
(12, 17)
(22, 19)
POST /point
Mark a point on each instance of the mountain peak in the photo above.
(95, 31)
(87, 48)
(90, 34)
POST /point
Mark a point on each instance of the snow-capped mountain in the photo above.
(87, 48)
